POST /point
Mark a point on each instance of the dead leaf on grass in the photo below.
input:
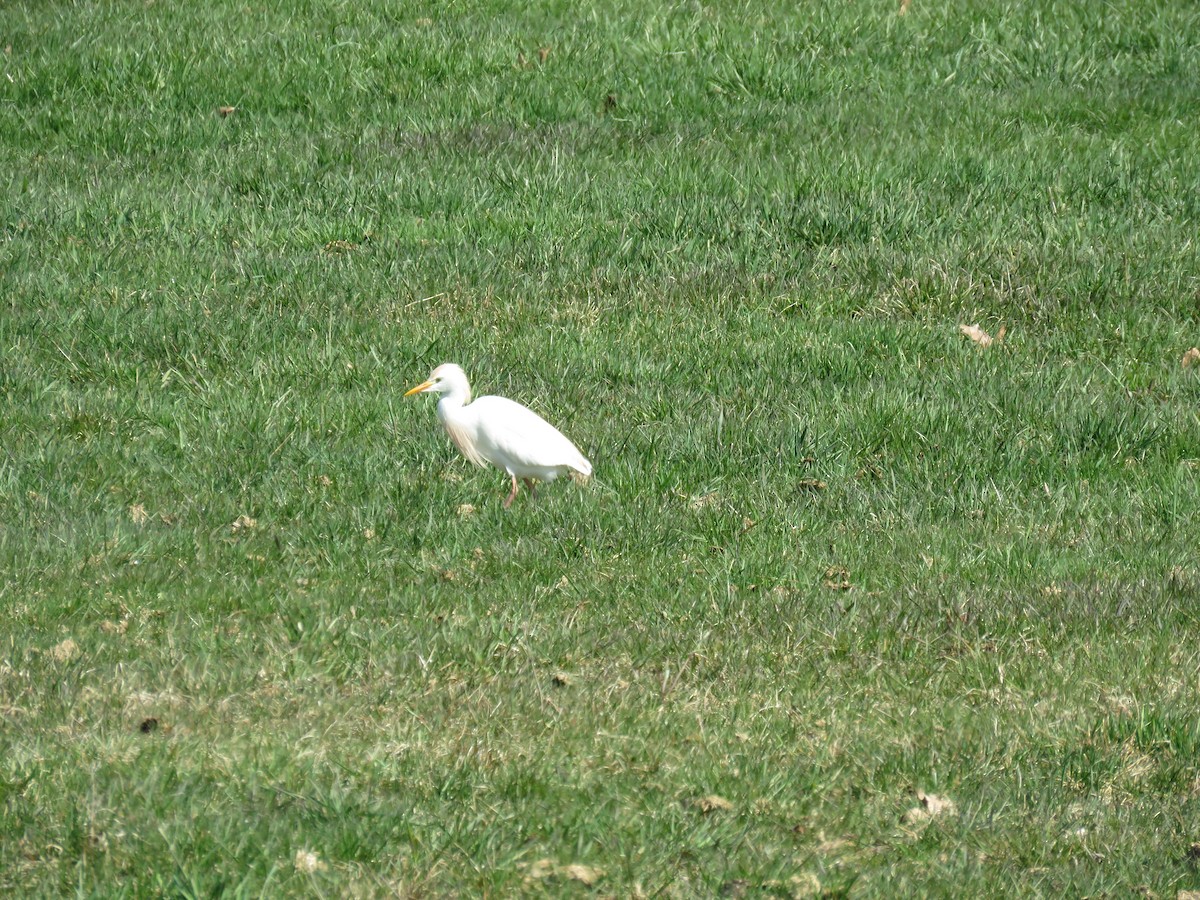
(1188, 895)
(935, 804)
(224, 111)
(542, 868)
(465, 510)
(828, 846)
(108, 626)
(586, 875)
(423, 23)
(804, 885)
(931, 806)
(714, 803)
(543, 54)
(1191, 358)
(308, 862)
(65, 651)
(138, 514)
(981, 337)
(243, 523)
(837, 579)
(563, 679)
(811, 484)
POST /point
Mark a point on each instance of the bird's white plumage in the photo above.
(511, 437)
(502, 432)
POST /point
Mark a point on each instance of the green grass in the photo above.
(834, 553)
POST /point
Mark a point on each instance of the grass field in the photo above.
(264, 633)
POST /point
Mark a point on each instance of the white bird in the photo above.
(502, 432)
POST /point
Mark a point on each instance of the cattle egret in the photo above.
(502, 432)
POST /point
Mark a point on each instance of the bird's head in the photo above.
(445, 379)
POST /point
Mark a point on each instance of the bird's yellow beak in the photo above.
(423, 386)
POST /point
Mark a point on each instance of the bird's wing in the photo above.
(521, 435)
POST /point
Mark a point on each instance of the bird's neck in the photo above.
(452, 403)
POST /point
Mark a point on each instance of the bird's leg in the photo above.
(512, 494)
(529, 483)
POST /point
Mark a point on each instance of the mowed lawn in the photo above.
(853, 606)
